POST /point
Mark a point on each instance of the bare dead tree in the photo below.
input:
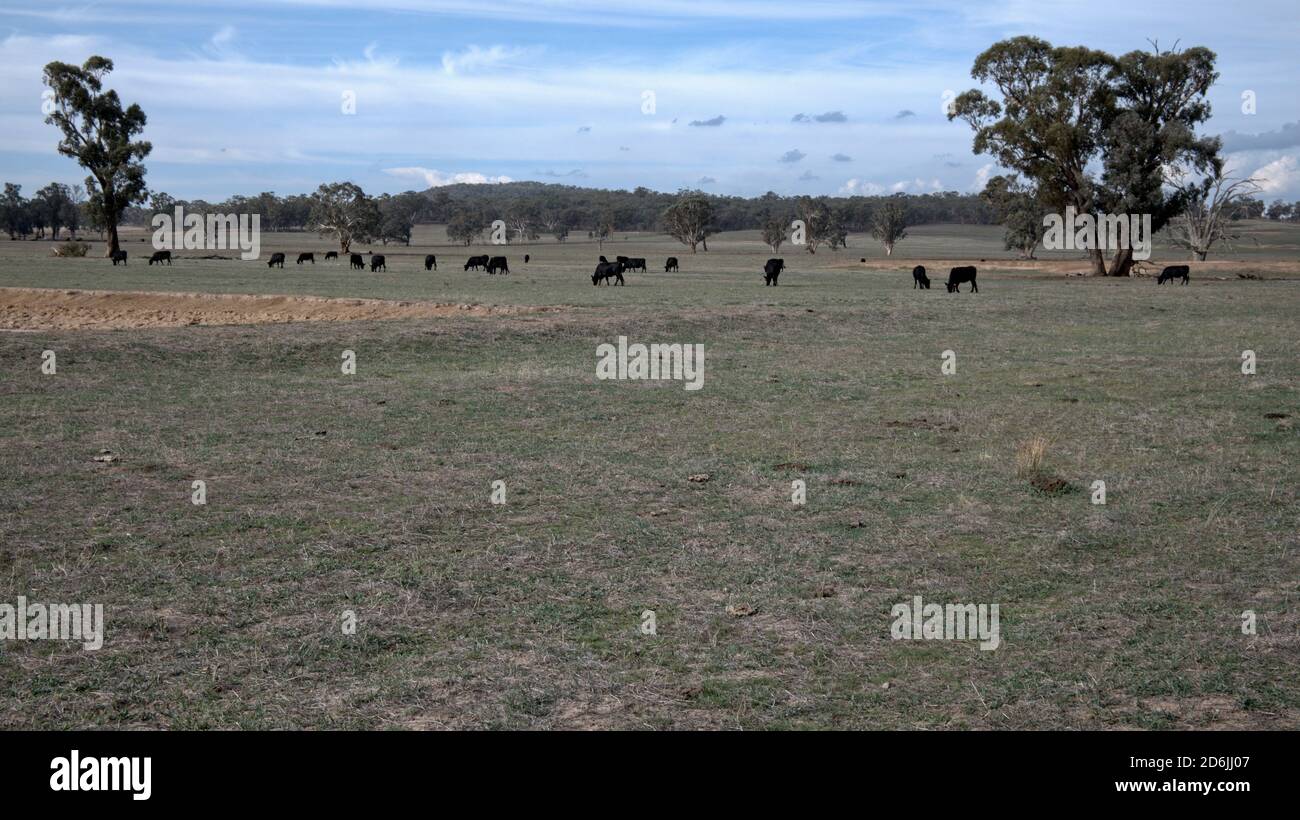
(1206, 220)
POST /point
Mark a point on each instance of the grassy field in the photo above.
(370, 493)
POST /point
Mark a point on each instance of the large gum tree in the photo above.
(1093, 131)
(101, 135)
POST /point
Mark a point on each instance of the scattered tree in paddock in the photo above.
(1066, 110)
(466, 225)
(400, 214)
(1207, 215)
(1019, 210)
(889, 225)
(689, 220)
(602, 228)
(774, 234)
(99, 134)
(342, 210)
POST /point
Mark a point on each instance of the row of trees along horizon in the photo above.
(1075, 127)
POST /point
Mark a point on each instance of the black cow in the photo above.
(606, 271)
(671, 264)
(962, 274)
(622, 259)
(526, 258)
(919, 279)
(635, 263)
(377, 262)
(276, 259)
(772, 271)
(119, 256)
(161, 256)
(331, 255)
(355, 262)
(430, 262)
(306, 257)
(497, 264)
(476, 262)
(1173, 272)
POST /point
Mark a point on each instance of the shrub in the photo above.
(71, 249)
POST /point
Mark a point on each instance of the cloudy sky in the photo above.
(734, 97)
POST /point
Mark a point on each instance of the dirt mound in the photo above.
(51, 309)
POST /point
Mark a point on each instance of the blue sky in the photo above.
(245, 97)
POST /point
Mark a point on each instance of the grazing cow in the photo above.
(306, 257)
(497, 264)
(276, 259)
(1173, 272)
(377, 262)
(962, 274)
(476, 262)
(161, 256)
(430, 262)
(606, 271)
(355, 262)
(635, 263)
(919, 279)
(671, 264)
(772, 271)
(331, 255)
(119, 256)
(526, 258)
(622, 259)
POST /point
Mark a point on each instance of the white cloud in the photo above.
(861, 187)
(982, 177)
(1282, 174)
(436, 179)
(475, 58)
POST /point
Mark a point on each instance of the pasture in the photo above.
(370, 493)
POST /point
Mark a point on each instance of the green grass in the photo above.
(370, 493)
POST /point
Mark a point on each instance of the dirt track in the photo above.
(54, 309)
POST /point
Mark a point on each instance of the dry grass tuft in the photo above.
(1030, 456)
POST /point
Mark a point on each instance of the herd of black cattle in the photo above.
(611, 273)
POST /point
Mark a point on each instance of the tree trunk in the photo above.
(1098, 262)
(1122, 262)
(889, 249)
(113, 246)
